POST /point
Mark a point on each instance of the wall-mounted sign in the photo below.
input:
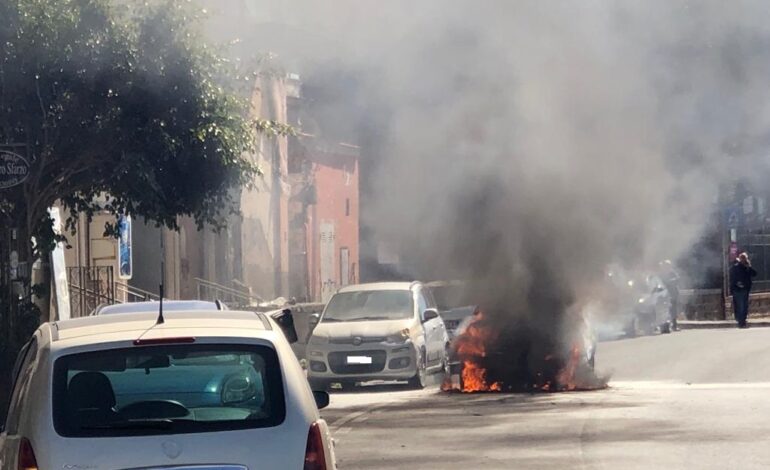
(125, 249)
(14, 169)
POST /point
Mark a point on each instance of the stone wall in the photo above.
(708, 305)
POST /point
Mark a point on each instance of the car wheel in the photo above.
(420, 378)
(632, 328)
(348, 385)
(665, 328)
(649, 326)
(319, 385)
(446, 366)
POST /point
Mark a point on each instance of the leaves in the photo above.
(123, 100)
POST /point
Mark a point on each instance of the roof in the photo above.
(379, 286)
(152, 306)
(131, 326)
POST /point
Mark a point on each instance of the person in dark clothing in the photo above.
(670, 280)
(741, 274)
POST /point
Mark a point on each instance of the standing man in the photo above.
(670, 280)
(740, 286)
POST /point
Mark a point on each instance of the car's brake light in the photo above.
(27, 460)
(315, 454)
(156, 341)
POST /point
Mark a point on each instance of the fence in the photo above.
(212, 291)
(90, 286)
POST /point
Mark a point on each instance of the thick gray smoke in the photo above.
(529, 144)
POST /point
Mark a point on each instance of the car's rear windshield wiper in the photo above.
(134, 424)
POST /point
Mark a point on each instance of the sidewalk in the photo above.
(715, 324)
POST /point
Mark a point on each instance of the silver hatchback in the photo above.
(381, 331)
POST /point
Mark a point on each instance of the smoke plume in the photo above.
(526, 145)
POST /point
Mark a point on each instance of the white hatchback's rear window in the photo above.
(167, 389)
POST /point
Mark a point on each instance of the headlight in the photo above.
(400, 337)
(641, 300)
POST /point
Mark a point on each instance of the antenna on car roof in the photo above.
(161, 320)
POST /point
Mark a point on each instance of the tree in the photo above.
(117, 100)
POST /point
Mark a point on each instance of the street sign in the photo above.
(733, 217)
(14, 169)
(125, 255)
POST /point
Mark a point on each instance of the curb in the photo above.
(716, 325)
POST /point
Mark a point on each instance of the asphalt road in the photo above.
(692, 399)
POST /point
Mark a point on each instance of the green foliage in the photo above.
(273, 128)
(122, 100)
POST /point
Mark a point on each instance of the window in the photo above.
(344, 266)
(422, 302)
(167, 390)
(22, 374)
(347, 207)
(369, 305)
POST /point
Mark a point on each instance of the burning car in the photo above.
(454, 303)
(480, 353)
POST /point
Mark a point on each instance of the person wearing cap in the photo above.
(741, 274)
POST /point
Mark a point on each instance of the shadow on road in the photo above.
(442, 430)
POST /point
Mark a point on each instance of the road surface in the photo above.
(693, 399)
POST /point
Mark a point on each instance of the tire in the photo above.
(445, 365)
(632, 328)
(348, 385)
(665, 328)
(420, 378)
(319, 385)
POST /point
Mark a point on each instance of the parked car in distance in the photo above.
(652, 307)
(382, 331)
(203, 389)
(639, 303)
(454, 303)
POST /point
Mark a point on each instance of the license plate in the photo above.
(359, 360)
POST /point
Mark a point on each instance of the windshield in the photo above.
(174, 389)
(369, 305)
(451, 296)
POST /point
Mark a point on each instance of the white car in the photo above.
(152, 306)
(381, 331)
(210, 390)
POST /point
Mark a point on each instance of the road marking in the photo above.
(649, 385)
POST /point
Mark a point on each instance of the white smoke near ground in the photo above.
(529, 144)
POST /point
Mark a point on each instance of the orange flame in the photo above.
(567, 376)
(470, 347)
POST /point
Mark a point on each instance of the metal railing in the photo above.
(90, 287)
(134, 294)
(212, 291)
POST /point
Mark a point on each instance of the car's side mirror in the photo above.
(321, 399)
(429, 314)
(285, 320)
(314, 320)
